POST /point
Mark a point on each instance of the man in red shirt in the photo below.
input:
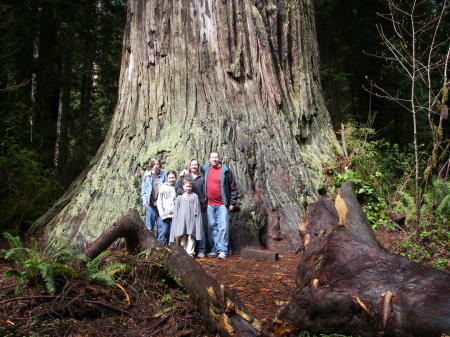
(221, 195)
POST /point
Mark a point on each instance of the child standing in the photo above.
(187, 219)
(165, 203)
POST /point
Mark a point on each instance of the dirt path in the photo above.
(263, 286)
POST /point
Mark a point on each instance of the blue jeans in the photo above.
(218, 228)
(201, 244)
(164, 230)
(152, 217)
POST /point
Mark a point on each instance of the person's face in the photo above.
(156, 166)
(193, 167)
(187, 188)
(171, 179)
(214, 159)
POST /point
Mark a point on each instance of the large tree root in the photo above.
(348, 283)
(220, 306)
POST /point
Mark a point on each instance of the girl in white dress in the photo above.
(165, 204)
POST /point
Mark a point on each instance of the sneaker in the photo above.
(212, 254)
(201, 255)
(222, 256)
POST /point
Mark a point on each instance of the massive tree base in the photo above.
(347, 282)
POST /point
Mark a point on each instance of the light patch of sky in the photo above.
(202, 13)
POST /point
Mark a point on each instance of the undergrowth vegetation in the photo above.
(382, 175)
(27, 187)
(114, 294)
(55, 266)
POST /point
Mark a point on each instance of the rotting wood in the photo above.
(260, 254)
(354, 272)
(219, 305)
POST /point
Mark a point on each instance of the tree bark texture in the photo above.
(348, 283)
(219, 306)
(237, 77)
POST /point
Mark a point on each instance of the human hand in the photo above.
(184, 172)
(231, 207)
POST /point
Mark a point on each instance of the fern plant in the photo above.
(33, 267)
(55, 265)
(436, 203)
(104, 275)
(434, 225)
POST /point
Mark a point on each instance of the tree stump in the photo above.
(348, 283)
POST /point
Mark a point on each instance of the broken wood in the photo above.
(260, 254)
(348, 283)
(219, 306)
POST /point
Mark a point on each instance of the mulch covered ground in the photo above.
(157, 306)
(263, 286)
(150, 304)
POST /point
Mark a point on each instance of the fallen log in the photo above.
(220, 306)
(348, 283)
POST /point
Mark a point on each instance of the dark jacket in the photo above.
(228, 186)
(197, 188)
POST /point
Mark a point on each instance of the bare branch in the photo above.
(15, 86)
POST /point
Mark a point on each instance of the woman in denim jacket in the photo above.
(152, 180)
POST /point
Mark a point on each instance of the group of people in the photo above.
(194, 210)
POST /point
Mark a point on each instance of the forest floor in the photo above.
(156, 305)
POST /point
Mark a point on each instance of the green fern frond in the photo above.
(62, 255)
(114, 268)
(12, 273)
(34, 244)
(64, 269)
(49, 278)
(444, 207)
(20, 254)
(14, 241)
(103, 278)
(94, 263)
(80, 258)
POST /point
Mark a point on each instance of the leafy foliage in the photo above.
(376, 168)
(381, 174)
(104, 275)
(434, 228)
(55, 265)
(374, 205)
(48, 46)
(34, 267)
(28, 188)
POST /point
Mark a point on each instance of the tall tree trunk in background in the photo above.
(84, 129)
(61, 139)
(35, 66)
(238, 77)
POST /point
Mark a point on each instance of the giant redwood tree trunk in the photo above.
(238, 77)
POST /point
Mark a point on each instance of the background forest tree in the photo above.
(58, 84)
